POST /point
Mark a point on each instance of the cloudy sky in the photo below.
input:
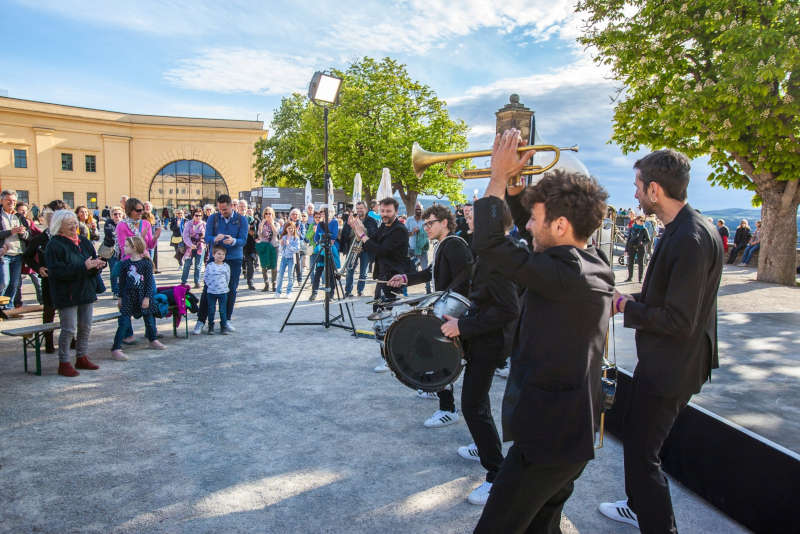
(236, 59)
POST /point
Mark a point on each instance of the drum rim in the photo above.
(402, 378)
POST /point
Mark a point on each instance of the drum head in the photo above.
(419, 355)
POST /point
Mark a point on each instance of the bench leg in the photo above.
(25, 352)
(38, 340)
(174, 325)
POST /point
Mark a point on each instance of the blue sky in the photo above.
(236, 59)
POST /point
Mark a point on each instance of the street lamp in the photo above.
(323, 91)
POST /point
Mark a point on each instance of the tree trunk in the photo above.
(777, 258)
(409, 199)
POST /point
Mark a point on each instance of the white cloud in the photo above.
(238, 70)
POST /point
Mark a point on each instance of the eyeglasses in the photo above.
(198, 214)
(428, 224)
(138, 210)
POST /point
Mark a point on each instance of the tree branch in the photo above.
(789, 194)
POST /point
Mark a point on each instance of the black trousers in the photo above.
(638, 255)
(477, 411)
(735, 252)
(647, 424)
(447, 401)
(527, 498)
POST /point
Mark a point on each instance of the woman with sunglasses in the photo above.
(194, 233)
(134, 224)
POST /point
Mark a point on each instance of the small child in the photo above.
(217, 278)
(290, 245)
(136, 286)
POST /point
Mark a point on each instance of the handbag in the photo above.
(105, 251)
(175, 240)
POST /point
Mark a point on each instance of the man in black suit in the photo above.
(551, 405)
(389, 247)
(675, 317)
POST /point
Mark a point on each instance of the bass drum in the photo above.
(445, 303)
(419, 355)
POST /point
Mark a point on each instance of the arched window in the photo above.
(185, 183)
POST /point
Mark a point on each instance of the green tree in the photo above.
(713, 78)
(381, 112)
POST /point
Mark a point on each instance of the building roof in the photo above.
(18, 104)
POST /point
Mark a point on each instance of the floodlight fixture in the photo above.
(324, 89)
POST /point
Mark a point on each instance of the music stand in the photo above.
(323, 91)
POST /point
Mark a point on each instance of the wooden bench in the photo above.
(33, 336)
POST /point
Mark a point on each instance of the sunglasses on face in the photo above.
(428, 224)
(139, 210)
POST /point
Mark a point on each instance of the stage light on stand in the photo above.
(324, 89)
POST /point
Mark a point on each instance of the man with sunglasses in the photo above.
(451, 258)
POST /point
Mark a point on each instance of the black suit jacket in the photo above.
(675, 315)
(389, 247)
(551, 405)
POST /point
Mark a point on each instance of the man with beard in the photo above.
(389, 248)
(451, 269)
(551, 408)
(675, 317)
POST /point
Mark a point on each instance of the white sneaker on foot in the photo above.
(619, 511)
(470, 452)
(229, 327)
(119, 355)
(198, 328)
(157, 345)
(480, 494)
(441, 418)
(381, 368)
(428, 395)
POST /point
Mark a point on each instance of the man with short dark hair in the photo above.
(226, 228)
(13, 234)
(550, 409)
(675, 318)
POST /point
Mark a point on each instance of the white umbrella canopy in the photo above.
(385, 187)
(357, 188)
(307, 197)
(329, 200)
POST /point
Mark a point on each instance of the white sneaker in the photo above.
(470, 452)
(619, 511)
(229, 327)
(480, 494)
(441, 418)
(502, 373)
(198, 328)
(381, 368)
(288, 296)
(118, 355)
(428, 395)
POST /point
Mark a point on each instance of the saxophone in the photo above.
(352, 255)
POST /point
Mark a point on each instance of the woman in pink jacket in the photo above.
(133, 224)
(194, 232)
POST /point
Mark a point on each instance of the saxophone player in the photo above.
(363, 259)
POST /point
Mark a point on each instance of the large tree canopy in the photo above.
(382, 111)
(713, 78)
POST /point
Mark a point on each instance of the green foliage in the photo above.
(706, 77)
(382, 111)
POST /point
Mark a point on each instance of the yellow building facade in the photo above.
(90, 157)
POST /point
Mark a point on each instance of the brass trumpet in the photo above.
(421, 159)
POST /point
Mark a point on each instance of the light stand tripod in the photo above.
(332, 282)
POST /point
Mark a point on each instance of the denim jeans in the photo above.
(112, 261)
(236, 273)
(187, 264)
(213, 299)
(749, 251)
(74, 320)
(124, 326)
(12, 277)
(287, 263)
(363, 264)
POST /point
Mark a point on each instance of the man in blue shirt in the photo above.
(228, 229)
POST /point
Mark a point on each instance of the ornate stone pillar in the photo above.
(516, 115)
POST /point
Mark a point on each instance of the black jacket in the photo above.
(451, 257)
(71, 283)
(389, 247)
(345, 238)
(551, 404)
(489, 325)
(675, 315)
(110, 233)
(742, 236)
(34, 258)
(637, 239)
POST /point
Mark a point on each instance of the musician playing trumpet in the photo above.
(364, 259)
(551, 408)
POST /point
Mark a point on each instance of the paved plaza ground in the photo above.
(263, 431)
